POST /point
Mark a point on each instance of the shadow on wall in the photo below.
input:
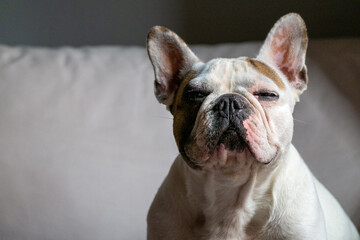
(109, 22)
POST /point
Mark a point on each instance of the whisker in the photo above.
(300, 121)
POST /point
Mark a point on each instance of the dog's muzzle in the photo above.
(230, 110)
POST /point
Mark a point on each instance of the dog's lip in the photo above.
(230, 130)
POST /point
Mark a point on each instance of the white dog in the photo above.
(237, 175)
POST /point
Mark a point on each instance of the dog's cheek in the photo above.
(184, 120)
(282, 122)
(181, 128)
(192, 133)
(258, 140)
(201, 135)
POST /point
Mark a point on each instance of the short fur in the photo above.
(237, 175)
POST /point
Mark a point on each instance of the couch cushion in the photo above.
(84, 145)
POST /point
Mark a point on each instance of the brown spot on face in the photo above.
(184, 117)
(188, 76)
(267, 71)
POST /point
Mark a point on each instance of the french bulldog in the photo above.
(238, 176)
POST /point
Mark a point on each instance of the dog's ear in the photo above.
(285, 48)
(171, 59)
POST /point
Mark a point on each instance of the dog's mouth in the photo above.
(233, 138)
(230, 142)
(230, 138)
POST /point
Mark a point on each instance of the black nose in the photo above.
(229, 105)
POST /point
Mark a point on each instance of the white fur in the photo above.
(263, 192)
(287, 203)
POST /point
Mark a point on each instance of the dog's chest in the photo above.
(228, 229)
(224, 219)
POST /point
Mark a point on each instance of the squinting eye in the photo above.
(266, 95)
(195, 95)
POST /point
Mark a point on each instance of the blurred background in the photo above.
(84, 145)
(126, 22)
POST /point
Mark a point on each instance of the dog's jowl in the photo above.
(237, 175)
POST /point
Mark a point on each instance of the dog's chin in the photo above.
(225, 156)
(232, 141)
(230, 149)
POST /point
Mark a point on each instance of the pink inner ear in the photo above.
(285, 52)
(172, 61)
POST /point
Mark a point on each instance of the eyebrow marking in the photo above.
(185, 81)
(264, 69)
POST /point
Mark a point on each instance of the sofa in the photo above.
(84, 145)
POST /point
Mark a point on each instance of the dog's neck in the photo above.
(224, 202)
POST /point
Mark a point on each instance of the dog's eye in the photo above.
(266, 95)
(195, 95)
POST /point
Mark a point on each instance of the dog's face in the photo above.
(230, 111)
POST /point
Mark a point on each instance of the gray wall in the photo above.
(98, 22)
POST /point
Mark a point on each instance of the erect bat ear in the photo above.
(171, 59)
(285, 48)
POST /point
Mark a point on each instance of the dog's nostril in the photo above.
(223, 107)
(236, 105)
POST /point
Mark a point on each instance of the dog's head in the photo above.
(231, 110)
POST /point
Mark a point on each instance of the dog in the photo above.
(237, 175)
